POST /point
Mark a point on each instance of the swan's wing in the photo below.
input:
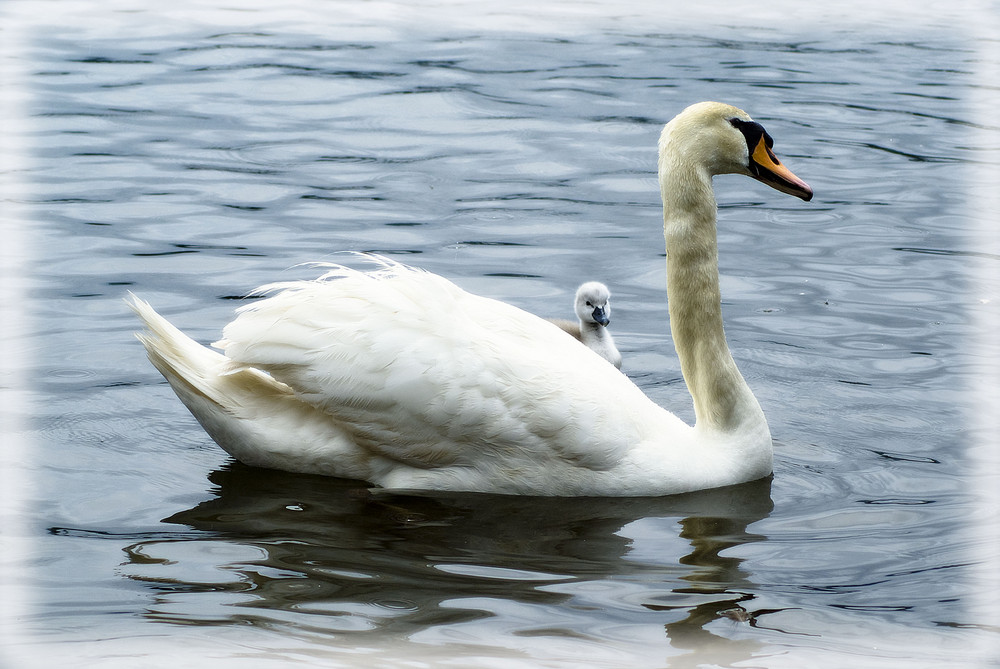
(426, 374)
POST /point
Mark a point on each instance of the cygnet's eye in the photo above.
(589, 303)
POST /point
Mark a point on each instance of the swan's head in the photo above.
(725, 140)
(593, 303)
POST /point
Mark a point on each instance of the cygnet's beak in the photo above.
(600, 317)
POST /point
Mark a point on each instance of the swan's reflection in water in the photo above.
(314, 555)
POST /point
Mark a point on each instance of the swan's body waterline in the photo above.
(592, 304)
(353, 376)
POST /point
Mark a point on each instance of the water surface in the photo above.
(190, 154)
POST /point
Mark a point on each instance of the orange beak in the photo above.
(765, 167)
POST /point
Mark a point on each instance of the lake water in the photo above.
(192, 152)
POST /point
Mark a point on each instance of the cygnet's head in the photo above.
(593, 303)
(725, 140)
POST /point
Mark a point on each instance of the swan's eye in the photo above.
(589, 303)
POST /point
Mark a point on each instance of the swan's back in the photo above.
(422, 372)
(572, 328)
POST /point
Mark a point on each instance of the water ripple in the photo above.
(196, 163)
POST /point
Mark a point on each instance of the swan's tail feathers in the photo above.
(195, 372)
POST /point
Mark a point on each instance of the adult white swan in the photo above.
(400, 378)
(592, 305)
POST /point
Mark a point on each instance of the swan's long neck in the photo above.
(722, 399)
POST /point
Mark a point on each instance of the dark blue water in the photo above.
(190, 154)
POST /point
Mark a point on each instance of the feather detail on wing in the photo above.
(355, 345)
